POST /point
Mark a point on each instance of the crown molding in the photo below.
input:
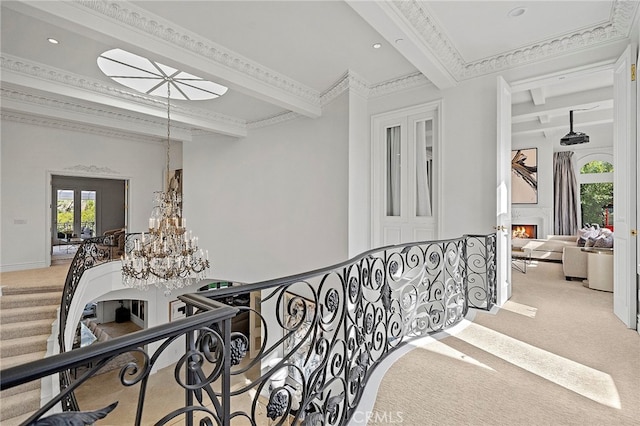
(132, 16)
(417, 15)
(350, 81)
(56, 123)
(406, 82)
(22, 67)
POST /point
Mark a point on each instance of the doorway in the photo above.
(82, 208)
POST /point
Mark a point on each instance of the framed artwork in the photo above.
(175, 184)
(524, 176)
(299, 314)
(177, 310)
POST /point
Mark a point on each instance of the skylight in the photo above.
(146, 76)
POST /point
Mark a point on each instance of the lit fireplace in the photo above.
(524, 231)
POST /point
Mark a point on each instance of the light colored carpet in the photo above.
(53, 276)
(554, 355)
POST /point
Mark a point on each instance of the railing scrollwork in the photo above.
(322, 334)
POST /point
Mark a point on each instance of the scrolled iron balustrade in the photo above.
(322, 334)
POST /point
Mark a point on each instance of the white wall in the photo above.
(274, 203)
(30, 153)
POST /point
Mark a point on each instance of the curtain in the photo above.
(423, 171)
(393, 171)
(566, 194)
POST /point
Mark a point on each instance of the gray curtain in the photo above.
(566, 194)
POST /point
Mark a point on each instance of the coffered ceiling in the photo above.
(282, 59)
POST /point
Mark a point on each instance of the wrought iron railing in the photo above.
(316, 338)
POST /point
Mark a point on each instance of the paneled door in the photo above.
(625, 296)
(405, 181)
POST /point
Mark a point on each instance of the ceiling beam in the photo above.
(171, 45)
(537, 96)
(560, 105)
(561, 124)
(387, 21)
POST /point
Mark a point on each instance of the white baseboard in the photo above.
(22, 266)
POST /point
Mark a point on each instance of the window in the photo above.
(596, 193)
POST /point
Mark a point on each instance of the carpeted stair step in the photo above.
(29, 300)
(19, 404)
(45, 288)
(33, 313)
(16, 421)
(23, 345)
(25, 329)
(12, 361)
(26, 387)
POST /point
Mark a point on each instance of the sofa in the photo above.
(551, 248)
(574, 263)
(557, 248)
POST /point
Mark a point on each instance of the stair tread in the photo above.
(20, 404)
(12, 361)
(31, 295)
(46, 288)
(28, 324)
(21, 341)
(25, 387)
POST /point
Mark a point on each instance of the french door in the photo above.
(405, 181)
(83, 207)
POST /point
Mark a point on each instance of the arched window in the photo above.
(596, 193)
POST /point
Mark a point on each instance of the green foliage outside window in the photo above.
(593, 196)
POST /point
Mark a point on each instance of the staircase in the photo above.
(26, 317)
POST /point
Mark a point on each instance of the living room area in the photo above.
(562, 206)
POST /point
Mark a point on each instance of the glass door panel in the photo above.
(394, 171)
(64, 213)
(88, 214)
(424, 167)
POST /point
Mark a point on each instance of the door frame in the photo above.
(531, 83)
(49, 202)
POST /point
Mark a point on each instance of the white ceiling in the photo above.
(282, 58)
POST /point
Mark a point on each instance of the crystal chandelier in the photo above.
(168, 255)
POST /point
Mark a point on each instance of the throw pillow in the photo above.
(605, 241)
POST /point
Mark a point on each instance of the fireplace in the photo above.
(524, 231)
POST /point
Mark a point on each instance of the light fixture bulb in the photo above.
(377, 46)
(53, 40)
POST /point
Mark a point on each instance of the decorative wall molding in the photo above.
(92, 169)
(36, 120)
(132, 16)
(417, 15)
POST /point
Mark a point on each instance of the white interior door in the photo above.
(405, 184)
(503, 193)
(624, 191)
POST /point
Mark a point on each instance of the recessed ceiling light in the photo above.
(515, 12)
(53, 40)
(377, 46)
